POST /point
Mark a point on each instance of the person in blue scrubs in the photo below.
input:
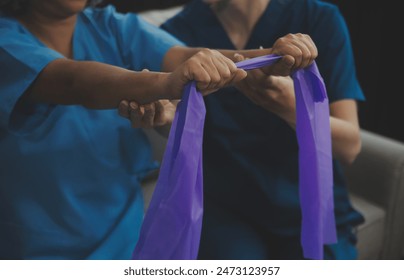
(70, 167)
(252, 208)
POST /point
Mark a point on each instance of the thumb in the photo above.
(238, 57)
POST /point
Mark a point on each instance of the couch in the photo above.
(376, 184)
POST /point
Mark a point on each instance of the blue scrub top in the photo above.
(69, 176)
(251, 155)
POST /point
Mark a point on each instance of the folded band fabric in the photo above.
(173, 222)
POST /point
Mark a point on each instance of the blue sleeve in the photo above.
(141, 44)
(335, 59)
(21, 60)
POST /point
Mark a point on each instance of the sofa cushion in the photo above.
(371, 232)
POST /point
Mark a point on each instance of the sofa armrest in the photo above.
(377, 175)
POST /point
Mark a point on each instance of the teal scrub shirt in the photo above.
(69, 176)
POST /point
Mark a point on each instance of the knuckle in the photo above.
(204, 52)
(226, 74)
(204, 82)
(215, 79)
(291, 36)
(299, 52)
(282, 40)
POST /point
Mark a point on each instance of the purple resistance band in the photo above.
(172, 225)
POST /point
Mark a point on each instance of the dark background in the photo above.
(376, 29)
(142, 5)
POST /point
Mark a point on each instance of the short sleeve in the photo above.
(336, 60)
(142, 45)
(22, 58)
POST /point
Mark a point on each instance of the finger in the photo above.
(224, 72)
(214, 70)
(136, 114)
(203, 70)
(169, 110)
(219, 71)
(306, 44)
(285, 46)
(159, 113)
(148, 117)
(300, 46)
(283, 67)
(227, 70)
(238, 76)
(123, 109)
(145, 70)
(300, 41)
(202, 79)
(312, 47)
(163, 102)
(296, 53)
(238, 57)
(236, 73)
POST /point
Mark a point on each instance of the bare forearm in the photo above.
(344, 126)
(246, 53)
(345, 130)
(95, 85)
(344, 137)
(346, 143)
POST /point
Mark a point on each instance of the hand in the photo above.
(273, 93)
(209, 68)
(150, 115)
(297, 51)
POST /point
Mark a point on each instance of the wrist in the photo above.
(164, 87)
(173, 86)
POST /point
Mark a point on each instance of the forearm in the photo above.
(345, 136)
(346, 142)
(95, 85)
(245, 53)
(345, 139)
